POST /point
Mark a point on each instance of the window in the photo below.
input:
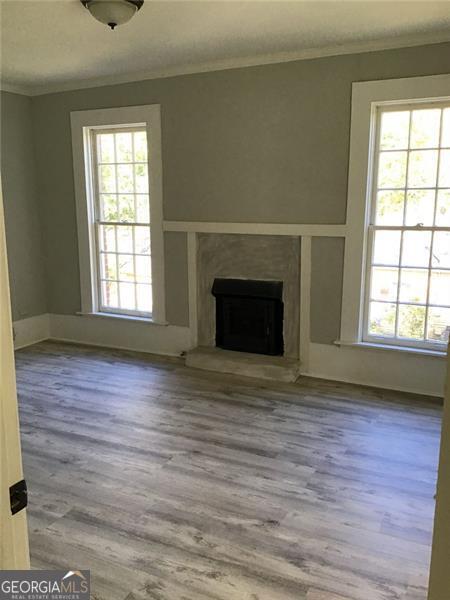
(118, 193)
(407, 298)
(122, 220)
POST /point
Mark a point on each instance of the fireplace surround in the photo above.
(269, 258)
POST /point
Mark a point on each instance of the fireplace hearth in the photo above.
(249, 315)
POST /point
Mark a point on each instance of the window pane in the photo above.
(140, 146)
(387, 247)
(384, 284)
(394, 130)
(124, 147)
(382, 319)
(143, 208)
(125, 178)
(441, 250)
(440, 288)
(413, 285)
(438, 324)
(144, 297)
(108, 266)
(109, 294)
(390, 208)
(420, 207)
(107, 238)
(410, 269)
(422, 168)
(411, 321)
(443, 208)
(416, 248)
(124, 239)
(126, 207)
(425, 128)
(107, 178)
(392, 170)
(126, 267)
(105, 148)
(141, 179)
(108, 205)
(143, 269)
(127, 296)
(121, 187)
(142, 240)
(444, 169)
(446, 128)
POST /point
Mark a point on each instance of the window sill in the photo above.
(405, 349)
(130, 318)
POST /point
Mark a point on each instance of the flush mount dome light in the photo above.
(112, 12)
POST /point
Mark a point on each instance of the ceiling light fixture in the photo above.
(112, 12)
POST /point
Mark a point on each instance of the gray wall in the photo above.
(327, 267)
(22, 219)
(175, 258)
(267, 144)
(262, 144)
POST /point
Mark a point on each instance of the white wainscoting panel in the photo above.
(403, 371)
(382, 368)
(125, 334)
(31, 330)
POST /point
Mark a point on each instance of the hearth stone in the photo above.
(277, 368)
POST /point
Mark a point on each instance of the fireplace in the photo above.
(249, 315)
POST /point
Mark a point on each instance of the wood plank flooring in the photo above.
(176, 484)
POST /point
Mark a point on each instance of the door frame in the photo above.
(14, 549)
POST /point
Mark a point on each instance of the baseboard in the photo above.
(168, 340)
(31, 330)
(405, 372)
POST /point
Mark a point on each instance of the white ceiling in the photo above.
(55, 44)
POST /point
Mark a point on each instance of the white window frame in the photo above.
(82, 122)
(366, 97)
(372, 228)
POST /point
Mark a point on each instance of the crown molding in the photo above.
(281, 57)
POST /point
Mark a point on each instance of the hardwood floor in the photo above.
(175, 484)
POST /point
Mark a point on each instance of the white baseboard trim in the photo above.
(31, 330)
(169, 340)
(404, 372)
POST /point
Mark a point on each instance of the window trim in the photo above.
(366, 97)
(82, 122)
(371, 228)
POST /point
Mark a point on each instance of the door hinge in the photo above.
(18, 496)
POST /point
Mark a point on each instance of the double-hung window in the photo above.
(407, 291)
(118, 188)
(122, 220)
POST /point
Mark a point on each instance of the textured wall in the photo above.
(261, 144)
(22, 218)
(177, 313)
(275, 258)
(327, 266)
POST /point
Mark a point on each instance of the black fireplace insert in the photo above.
(249, 315)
